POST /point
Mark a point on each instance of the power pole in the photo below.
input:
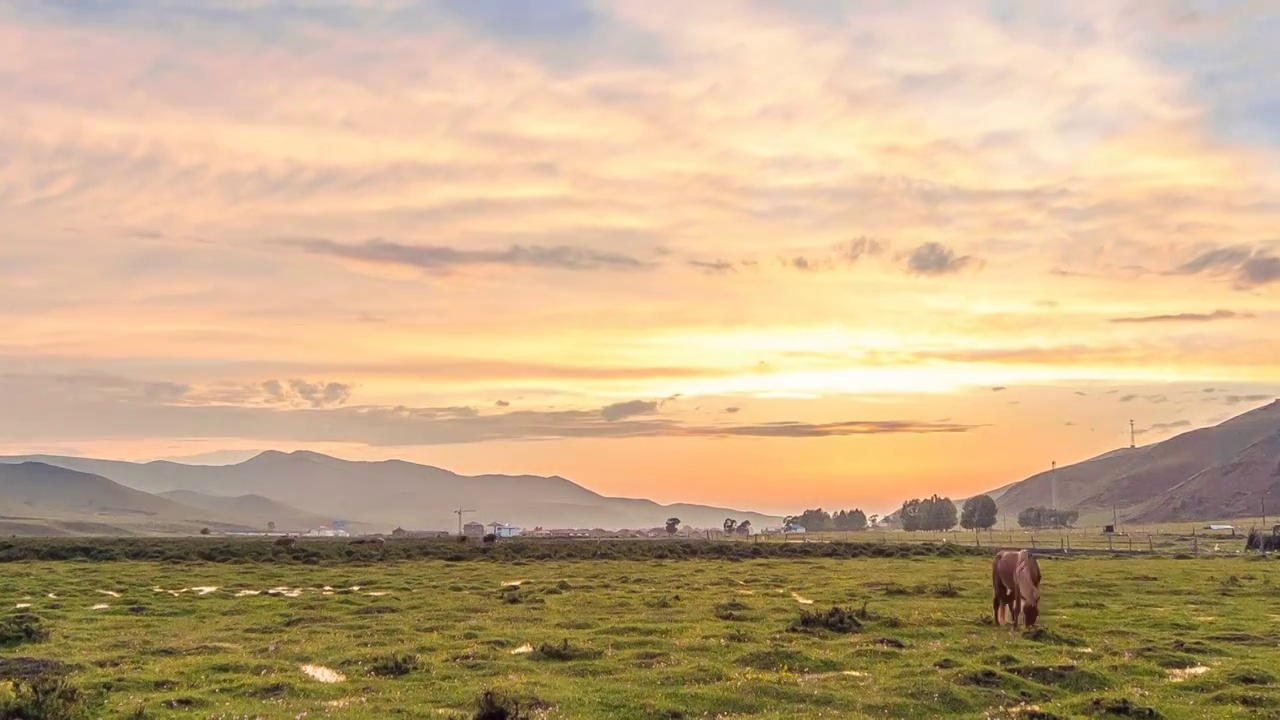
(1133, 441)
(460, 512)
(1053, 481)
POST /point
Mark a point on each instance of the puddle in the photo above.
(524, 649)
(100, 606)
(112, 593)
(21, 606)
(801, 599)
(204, 590)
(379, 593)
(52, 596)
(247, 593)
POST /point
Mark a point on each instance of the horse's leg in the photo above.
(1016, 607)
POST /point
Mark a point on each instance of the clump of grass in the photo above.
(1070, 677)
(1121, 707)
(22, 628)
(665, 602)
(493, 706)
(563, 652)
(1042, 634)
(731, 611)
(780, 659)
(1251, 677)
(43, 699)
(947, 590)
(837, 620)
(395, 665)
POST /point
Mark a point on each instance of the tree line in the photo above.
(1043, 517)
(820, 520)
(939, 514)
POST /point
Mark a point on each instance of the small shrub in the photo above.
(1122, 707)
(22, 628)
(491, 538)
(947, 590)
(731, 611)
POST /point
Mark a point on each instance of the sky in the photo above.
(766, 254)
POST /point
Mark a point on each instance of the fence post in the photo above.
(1033, 542)
(1151, 544)
(1130, 543)
(1195, 544)
(1110, 545)
(1062, 545)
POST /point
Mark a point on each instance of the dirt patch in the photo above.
(801, 599)
(100, 606)
(247, 593)
(320, 673)
(524, 649)
(111, 593)
(891, 643)
(1042, 634)
(837, 620)
(204, 590)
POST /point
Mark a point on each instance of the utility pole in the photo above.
(460, 512)
(1053, 481)
(1133, 436)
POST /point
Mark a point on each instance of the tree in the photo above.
(1043, 517)
(744, 527)
(730, 525)
(673, 525)
(814, 520)
(856, 519)
(941, 515)
(271, 525)
(979, 513)
(874, 520)
(204, 531)
(911, 515)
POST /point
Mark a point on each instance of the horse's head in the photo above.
(1031, 607)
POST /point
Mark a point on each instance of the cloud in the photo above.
(316, 395)
(49, 414)
(623, 410)
(713, 267)
(437, 258)
(1248, 266)
(502, 404)
(999, 388)
(934, 258)
(1241, 399)
(1166, 426)
(732, 410)
(1184, 317)
(1157, 398)
(855, 250)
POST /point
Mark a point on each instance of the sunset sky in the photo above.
(771, 254)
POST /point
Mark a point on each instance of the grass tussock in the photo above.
(835, 620)
(395, 665)
(22, 628)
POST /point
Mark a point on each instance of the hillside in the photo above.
(395, 492)
(253, 510)
(53, 500)
(1208, 473)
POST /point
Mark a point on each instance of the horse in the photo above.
(1015, 584)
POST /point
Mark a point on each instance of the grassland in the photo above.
(695, 635)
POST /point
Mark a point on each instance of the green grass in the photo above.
(639, 638)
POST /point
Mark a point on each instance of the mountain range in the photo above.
(306, 489)
(1211, 473)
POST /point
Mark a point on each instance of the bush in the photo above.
(563, 652)
(492, 706)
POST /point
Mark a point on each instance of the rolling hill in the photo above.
(42, 499)
(395, 492)
(1209, 473)
(253, 510)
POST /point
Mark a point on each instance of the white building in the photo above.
(327, 532)
(503, 530)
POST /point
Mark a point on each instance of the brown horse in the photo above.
(1015, 584)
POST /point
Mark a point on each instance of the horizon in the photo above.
(741, 254)
(225, 458)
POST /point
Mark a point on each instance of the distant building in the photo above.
(794, 529)
(327, 532)
(400, 532)
(503, 530)
(473, 530)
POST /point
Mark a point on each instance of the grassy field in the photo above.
(650, 638)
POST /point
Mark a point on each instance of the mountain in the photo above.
(395, 492)
(1210, 473)
(253, 510)
(53, 500)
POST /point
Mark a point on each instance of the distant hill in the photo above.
(1210, 473)
(253, 510)
(395, 492)
(42, 499)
